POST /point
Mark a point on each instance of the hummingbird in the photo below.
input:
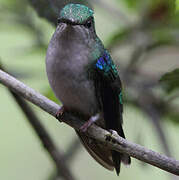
(84, 78)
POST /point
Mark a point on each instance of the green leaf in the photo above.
(170, 81)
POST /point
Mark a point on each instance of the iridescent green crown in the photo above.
(77, 13)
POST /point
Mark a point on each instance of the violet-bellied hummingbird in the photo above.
(85, 79)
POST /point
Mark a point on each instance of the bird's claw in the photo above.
(111, 136)
(60, 113)
(113, 132)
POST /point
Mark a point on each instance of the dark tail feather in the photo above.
(118, 157)
(125, 158)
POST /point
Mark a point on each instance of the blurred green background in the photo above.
(23, 41)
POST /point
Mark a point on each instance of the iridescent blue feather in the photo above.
(106, 64)
(108, 68)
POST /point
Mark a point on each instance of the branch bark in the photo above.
(58, 157)
(112, 141)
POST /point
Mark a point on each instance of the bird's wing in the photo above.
(108, 91)
(109, 94)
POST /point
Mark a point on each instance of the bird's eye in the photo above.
(88, 24)
(58, 21)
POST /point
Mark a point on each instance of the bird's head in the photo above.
(77, 17)
(76, 14)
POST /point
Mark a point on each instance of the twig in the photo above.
(116, 142)
(148, 102)
(55, 154)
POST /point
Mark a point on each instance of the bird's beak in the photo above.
(62, 26)
(67, 21)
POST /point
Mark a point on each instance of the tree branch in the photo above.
(112, 141)
(55, 154)
(58, 157)
(146, 102)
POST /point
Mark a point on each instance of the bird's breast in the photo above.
(67, 73)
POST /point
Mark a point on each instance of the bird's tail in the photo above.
(97, 151)
(104, 156)
(118, 157)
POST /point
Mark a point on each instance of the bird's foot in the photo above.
(87, 124)
(111, 136)
(60, 113)
(113, 132)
